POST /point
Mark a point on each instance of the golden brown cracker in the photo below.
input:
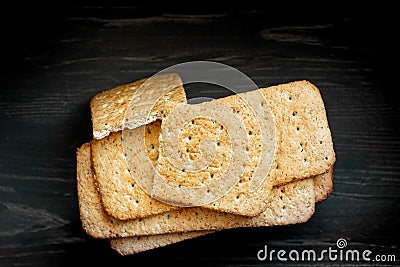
(111, 109)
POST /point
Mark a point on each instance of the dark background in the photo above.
(55, 57)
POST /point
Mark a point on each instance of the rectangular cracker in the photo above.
(130, 106)
(111, 108)
(304, 145)
(136, 244)
(304, 148)
(131, 245)
(121, 196)
(290, 203)
(323, 186)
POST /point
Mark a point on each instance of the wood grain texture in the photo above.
(55, 64)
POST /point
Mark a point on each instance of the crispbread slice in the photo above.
(243, 152)
(121, 196)
(146, 100)
(109, 108)
(290, 203)
(305, 142)
(323, 186)
(95, 221)
(304, 145)
(303, 148)
(131, 245)
(136, 244)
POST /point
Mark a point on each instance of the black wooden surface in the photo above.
(56, 58)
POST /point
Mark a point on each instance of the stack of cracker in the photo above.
(296, 173)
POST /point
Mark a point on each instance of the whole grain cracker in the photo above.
(235, 107)
(304, 145)
(121, 196)
(289, 204)
(323, 186)
(128, 106)
(137, 244)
